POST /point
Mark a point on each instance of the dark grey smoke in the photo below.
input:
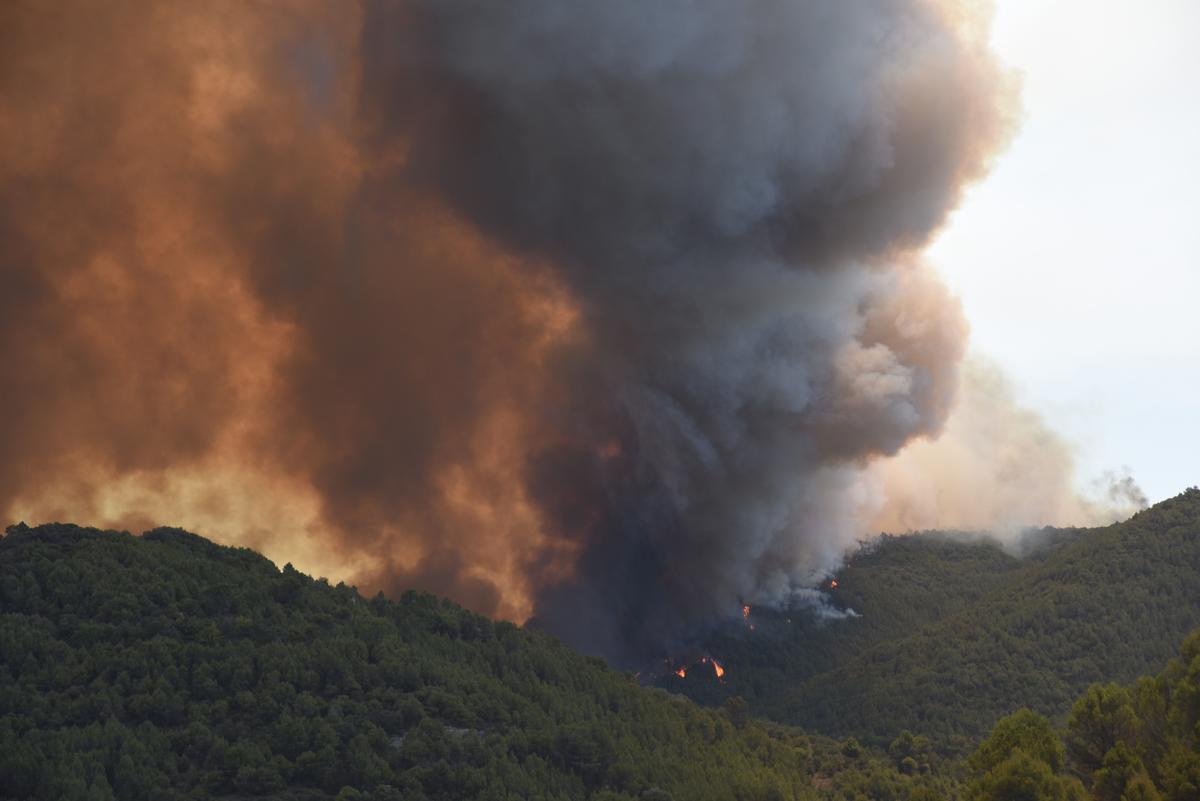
(592, 308)
(1122, 492)
(733, 193)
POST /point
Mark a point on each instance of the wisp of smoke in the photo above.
(596, 312)
(996, 467)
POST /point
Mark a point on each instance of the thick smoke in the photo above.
(732, 193)
(595, 310)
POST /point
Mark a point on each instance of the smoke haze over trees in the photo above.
(953, 630)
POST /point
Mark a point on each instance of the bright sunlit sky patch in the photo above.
(1078, 259)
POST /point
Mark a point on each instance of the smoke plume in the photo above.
(996, 467)
(599, 312)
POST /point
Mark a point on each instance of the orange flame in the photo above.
(718, 668)
(745, 611)
(833, 584)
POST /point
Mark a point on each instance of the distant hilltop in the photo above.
(954, 630)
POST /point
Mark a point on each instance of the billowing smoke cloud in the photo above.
(731, 192)
(598, 311)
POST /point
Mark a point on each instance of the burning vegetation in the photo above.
(715, 668)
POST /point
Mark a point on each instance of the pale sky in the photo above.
(1078, 259)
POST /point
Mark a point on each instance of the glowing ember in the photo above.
(745, 611)
(681, 672)
(833, 584)
(720, 671)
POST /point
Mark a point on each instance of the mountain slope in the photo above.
(893, 584)
(167, 667)
(1135, 743)
(952, 635)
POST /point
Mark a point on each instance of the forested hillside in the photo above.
(894, 585)
(167, 667)
(1121, 743)
(952, 633)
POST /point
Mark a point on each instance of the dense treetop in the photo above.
(165, 666)
(168, 667)
(1131, 743)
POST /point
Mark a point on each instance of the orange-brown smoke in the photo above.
(210, 316)
(576, 311)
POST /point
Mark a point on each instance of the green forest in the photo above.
(952, 631)
(165, 666)
(168, 667)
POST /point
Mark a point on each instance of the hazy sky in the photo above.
(1078, 260)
